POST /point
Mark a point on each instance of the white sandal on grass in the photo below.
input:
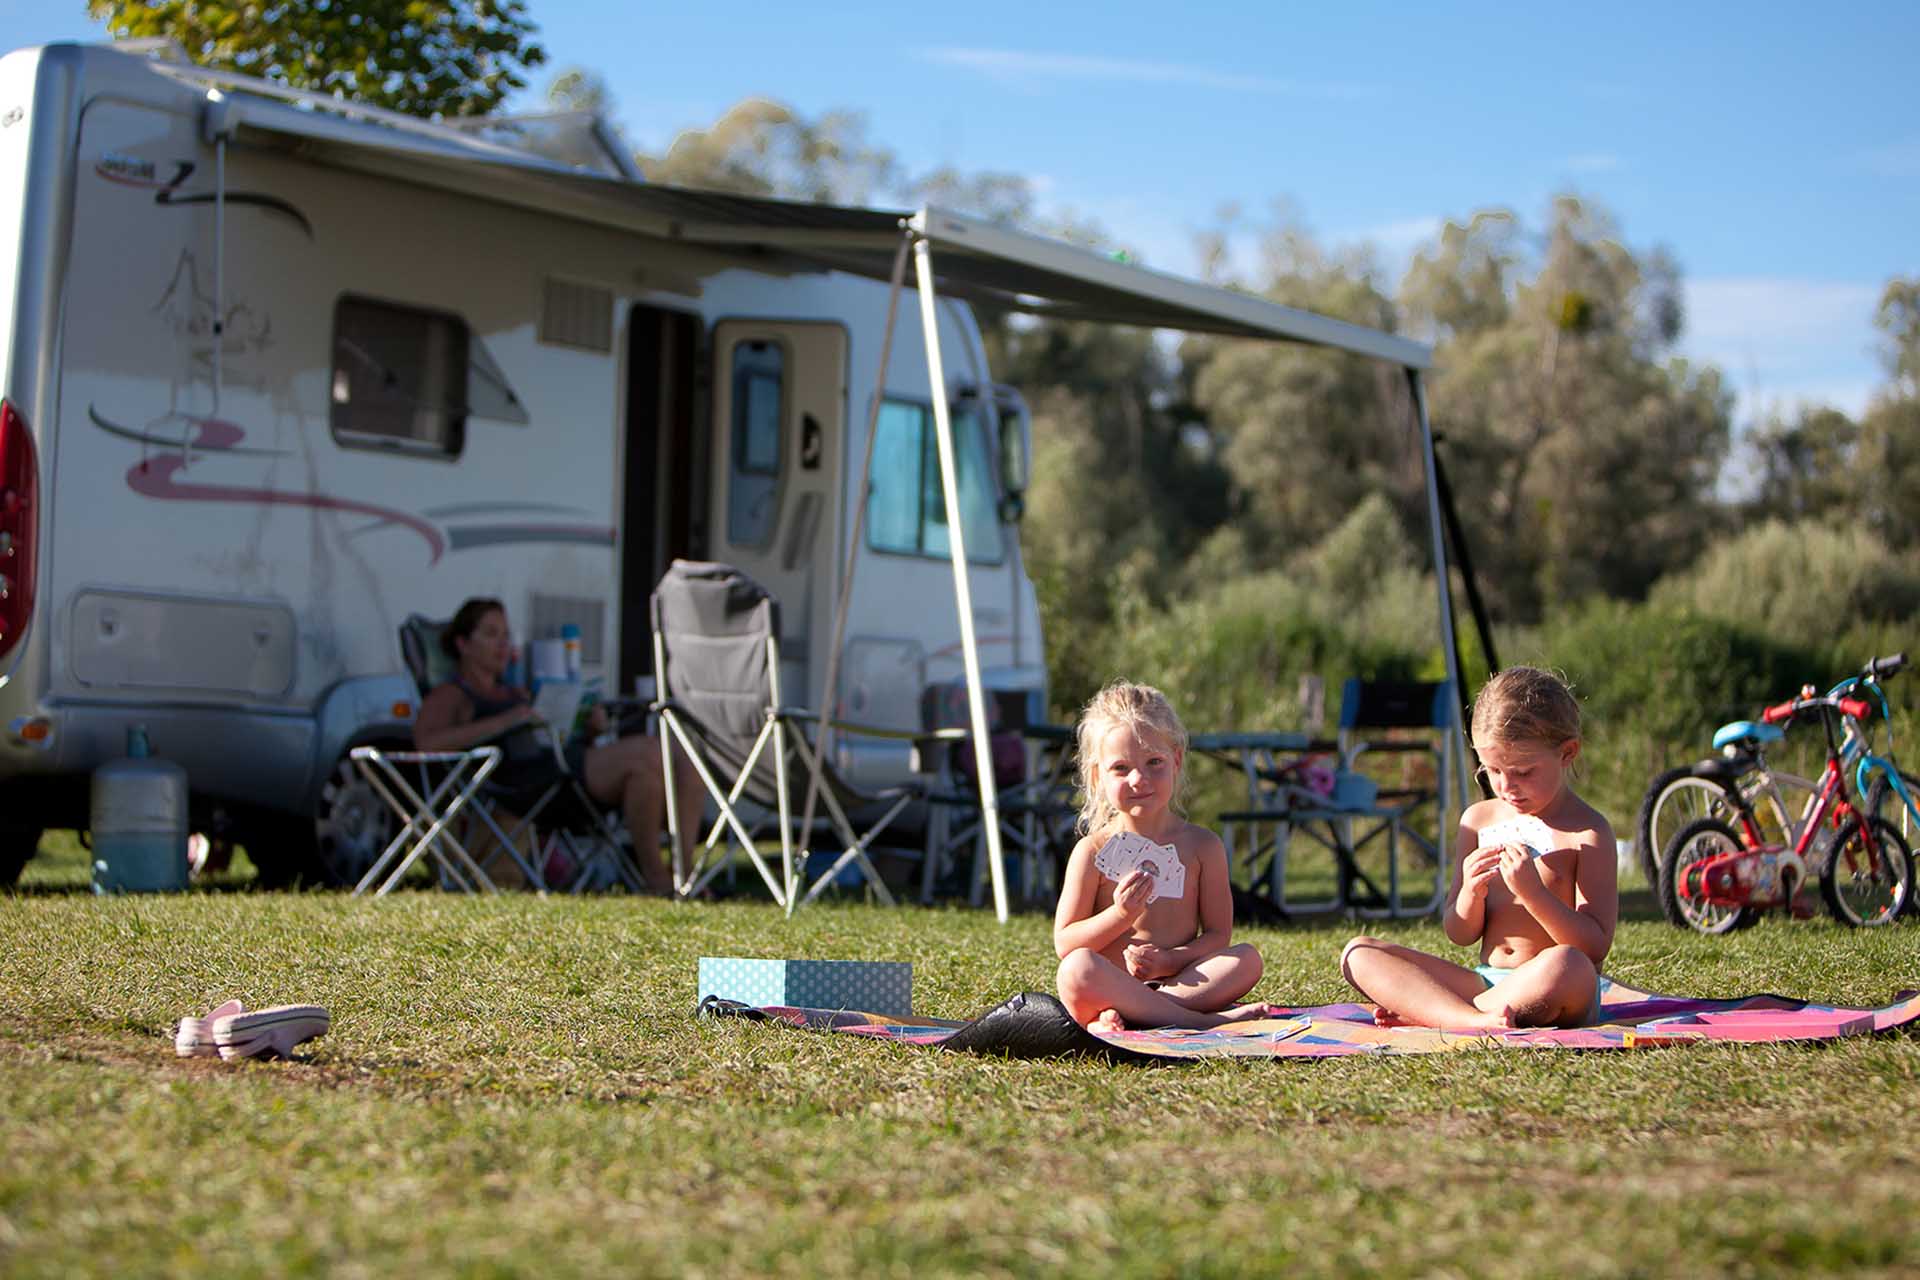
(267, 1033)
(193, 1038)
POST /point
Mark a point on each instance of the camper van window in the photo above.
(907, 513)
(399, 378)
(758, 410)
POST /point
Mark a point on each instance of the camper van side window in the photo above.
(906, 512)
(399, 378)
(758, 403)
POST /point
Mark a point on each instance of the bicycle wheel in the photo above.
(1701, 838)
(1674, 799)
(1868, 882)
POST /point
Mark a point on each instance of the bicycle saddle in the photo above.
(1747, 730)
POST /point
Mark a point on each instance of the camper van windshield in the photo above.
(907, 513)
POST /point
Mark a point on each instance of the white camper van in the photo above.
(278, 375)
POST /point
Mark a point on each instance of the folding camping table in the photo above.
(1280, 806)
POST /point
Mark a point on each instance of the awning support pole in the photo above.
(962, 589)
(219, 264)
(1456, 740)
(830, 693)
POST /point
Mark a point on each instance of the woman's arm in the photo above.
(1075, 923)
(446, 721)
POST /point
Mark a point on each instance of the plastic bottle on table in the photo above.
(570, 639)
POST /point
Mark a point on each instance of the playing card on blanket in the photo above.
(1525, 830)
(1129, 850)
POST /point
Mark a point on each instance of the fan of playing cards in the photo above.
(1129, 850)
(1528, 831)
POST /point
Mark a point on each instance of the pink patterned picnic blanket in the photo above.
(1036, 1025)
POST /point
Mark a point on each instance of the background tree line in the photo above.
(1222, 516)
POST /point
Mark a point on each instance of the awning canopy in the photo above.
(952, 255)
(976, 260)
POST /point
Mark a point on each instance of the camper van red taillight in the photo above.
(19, 477)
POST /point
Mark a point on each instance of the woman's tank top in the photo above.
(484, 706)
(527, 759)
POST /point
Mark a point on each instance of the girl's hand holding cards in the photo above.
(1133, 893)
(1129, 851)
(1480, 869)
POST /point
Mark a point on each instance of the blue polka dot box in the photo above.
(872, 986)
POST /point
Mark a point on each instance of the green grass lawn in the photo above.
(514, 1086)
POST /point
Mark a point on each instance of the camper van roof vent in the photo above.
(577, 315)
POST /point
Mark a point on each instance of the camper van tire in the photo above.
(350, 828)
(17, 846)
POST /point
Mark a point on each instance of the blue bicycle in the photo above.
(1889, 792)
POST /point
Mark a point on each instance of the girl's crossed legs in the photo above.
(1103, 996)
(1554, 989)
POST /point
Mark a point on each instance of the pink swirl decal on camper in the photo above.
(155, 478)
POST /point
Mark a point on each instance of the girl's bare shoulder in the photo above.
(1584, 822)
(1088, 845)
(1483, 813)
(1197, 840)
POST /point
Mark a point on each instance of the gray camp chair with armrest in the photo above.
(716, 637)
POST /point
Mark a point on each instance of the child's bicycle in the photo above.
(1713, 878)
(1737, 786)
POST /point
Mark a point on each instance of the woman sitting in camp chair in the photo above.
(476, 707)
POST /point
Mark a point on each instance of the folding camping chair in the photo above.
(716, 645)
(430, 791)
(1033, 783)
(1413, 722)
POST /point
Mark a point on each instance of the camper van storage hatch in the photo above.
(123, 640)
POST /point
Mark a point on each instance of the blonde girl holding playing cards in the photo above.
(1145, 923)
(1534, 883)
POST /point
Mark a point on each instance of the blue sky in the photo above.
(1771, 148)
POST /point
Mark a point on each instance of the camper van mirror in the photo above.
(1015, 456)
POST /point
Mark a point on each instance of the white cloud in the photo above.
(1850, 397)
(1784, 316)
(1591, 162)
(1783, 341)
(1013, 64)
(1395, 240)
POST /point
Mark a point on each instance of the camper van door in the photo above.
(780, 397)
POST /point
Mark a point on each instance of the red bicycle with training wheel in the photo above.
(1714, 879)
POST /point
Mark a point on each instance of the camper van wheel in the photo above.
(352, 828)
(17, 846)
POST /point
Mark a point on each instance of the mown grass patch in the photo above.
(515, 1086)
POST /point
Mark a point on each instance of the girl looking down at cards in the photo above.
(1534, 884)
(1145, 922)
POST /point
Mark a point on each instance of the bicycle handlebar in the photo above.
(1881, 668)
(1851, 707)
